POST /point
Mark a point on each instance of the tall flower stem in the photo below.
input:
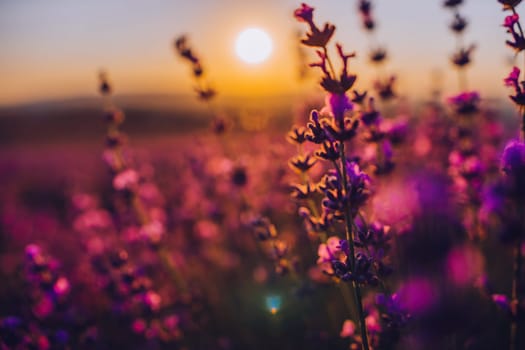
(520, 29)
(350, 239)
(514, 330)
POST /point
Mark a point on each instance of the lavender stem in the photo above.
(350, 239)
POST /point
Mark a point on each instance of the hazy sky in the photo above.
(53, 48)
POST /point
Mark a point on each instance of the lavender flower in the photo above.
(316, 37)
(513, 159)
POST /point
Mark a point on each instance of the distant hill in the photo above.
(149, 114)
(82, 118)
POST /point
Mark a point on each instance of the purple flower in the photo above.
(512, 79)
(511, 20)
(356, 177)
(502, 301)
(61, 287)
(359, 183)
(418, 295)
(304, 14)
(337, 105)
(465, 102)
(513, 158)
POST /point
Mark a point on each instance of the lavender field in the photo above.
(361, 208)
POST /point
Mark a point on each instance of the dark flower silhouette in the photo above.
(316, 37)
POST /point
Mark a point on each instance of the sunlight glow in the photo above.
(273, 303)
(253, 45)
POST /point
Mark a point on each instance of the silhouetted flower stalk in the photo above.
(384, 84)
(203, 89)
(128, 181)
(513, 161)
(465, 166)
(205, 92)
(357, 259)
(462, 57)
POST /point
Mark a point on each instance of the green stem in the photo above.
(350, 239)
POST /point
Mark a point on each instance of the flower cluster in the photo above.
(335, 203)
(371, 266)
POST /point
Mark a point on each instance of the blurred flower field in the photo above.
(359, 225)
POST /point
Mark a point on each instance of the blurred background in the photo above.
(52, 52)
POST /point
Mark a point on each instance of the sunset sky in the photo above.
(53, 49)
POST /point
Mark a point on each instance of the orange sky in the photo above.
(54, 49)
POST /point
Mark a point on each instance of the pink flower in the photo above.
(126, 179)
(348, 329)
(61, 286)
(418, 295)
(43, 308)
(464, 265)
(171, 322)
(152, 300)
(43, 343)
(327, 251)
(511, 20)
(464, 98)
(32, 251)
(139, 326)
(372, 322)
(512, 79)
(304, 14)
(153, 231)
(94, 219)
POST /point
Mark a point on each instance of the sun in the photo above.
(253, 45)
